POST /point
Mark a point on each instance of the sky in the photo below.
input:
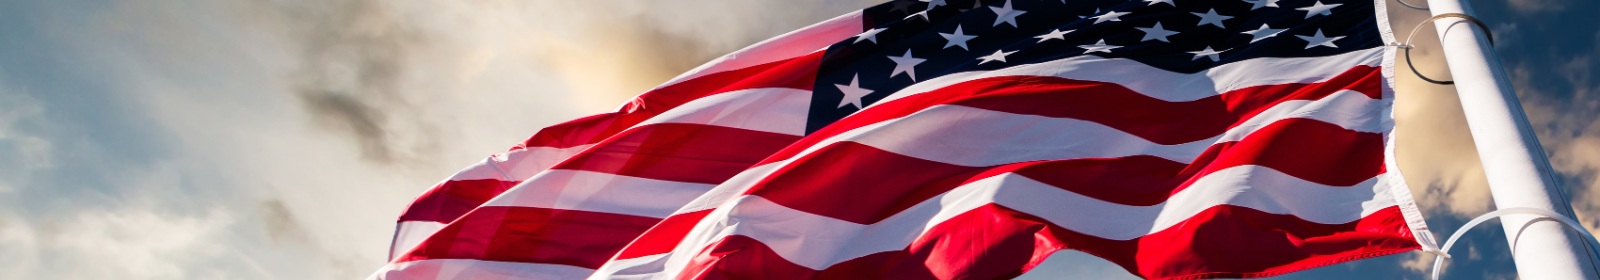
(279, 139)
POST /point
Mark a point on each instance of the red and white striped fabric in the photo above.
(1001, 176)
(1250, 168)
(594, 183)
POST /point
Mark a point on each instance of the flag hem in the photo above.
(1397, 182)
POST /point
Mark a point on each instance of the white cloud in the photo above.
(1418, 261)
(22, 150)
(129, 239)
(135, 244)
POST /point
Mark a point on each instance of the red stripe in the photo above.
(679, 152)
(795, 73)
(451, 199)
(664, 236)
(1109, 104)
(532, 235)
(993, 241)
(855, 182)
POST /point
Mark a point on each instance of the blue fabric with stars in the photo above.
(904, 42)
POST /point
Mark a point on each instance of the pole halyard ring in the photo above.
(1464, 17)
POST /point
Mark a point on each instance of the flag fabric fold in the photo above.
(962, 139)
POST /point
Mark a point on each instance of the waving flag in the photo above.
(962, 139)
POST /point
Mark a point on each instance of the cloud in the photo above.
(131, 238)
(611, 50)
(1527, 7)
(280, 139)
(281, 224)
(365, 67)
(126, 246)
(352, 66)
(1507, 35)
(22, 151)
(1569, 130)
(1422, 262)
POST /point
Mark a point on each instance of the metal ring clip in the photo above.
(1407, 45)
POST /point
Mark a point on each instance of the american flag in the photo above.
(962, 139)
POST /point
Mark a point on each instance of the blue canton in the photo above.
(905, 42)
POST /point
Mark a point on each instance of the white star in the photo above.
(1005, 14)
(1156, 33)
(1263, 33)
(1057, 34)
(870, 35)
(1153, 2)
(1257, 4)
(1100, 46)
(905, 64)
(1096, 11)
(1319, 9)
(934, 3)
(1318, 40)
(957, 39)
(1110, 16)
(1211, 17)
(852, 92)
(997, 56)
(1207, 53)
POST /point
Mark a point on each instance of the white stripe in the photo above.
(789, 45)
(408, 234)
(637, 268)
(723, 194)
(776, 110)
(477, 269)
(600, 192)
(970, 136)
(818, 242)
(1168, 85)
(518, 164)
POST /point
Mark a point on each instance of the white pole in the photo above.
(1518, 173)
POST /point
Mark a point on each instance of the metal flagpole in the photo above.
(1515, 164)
